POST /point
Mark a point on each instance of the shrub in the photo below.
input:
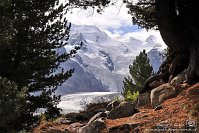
(132, 96)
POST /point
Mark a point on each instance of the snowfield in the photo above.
(102, 62)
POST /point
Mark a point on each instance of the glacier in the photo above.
(102, 62)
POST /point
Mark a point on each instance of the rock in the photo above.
(75, 127)
(155, 84)
(162, 93)
(180, 78)
(95, 126)
(143, 99)
(125, 109)
(94, 108)
(159, 107)
(65, 120)
(74, 117)
(112, 105)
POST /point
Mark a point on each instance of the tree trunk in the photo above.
(188, 17)
(179, 27)
(179, 30)
(193, 68)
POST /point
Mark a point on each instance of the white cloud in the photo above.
(113, 16)
(141, 35)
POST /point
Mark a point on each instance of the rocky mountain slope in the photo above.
(102, 62)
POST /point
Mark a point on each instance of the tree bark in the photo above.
(188, 17)
(179, 29)
(180, 32)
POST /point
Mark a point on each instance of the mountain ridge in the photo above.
(102, 60)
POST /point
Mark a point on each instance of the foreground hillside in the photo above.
(179, 114)
(175, 113)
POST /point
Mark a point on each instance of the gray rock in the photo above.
(75, 127)
(65, 120)
(94, 126)
(72, 118)
(112, 105)
(125, 109)
(143, 99)
(162, 93)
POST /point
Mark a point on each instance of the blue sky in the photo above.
(124, 29)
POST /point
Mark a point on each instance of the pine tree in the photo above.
(12, 99)
(30, 33)
(140, 70)
(143, 13)
(129, 85)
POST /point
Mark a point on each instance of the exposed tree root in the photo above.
(153, 78)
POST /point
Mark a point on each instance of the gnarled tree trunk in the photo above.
(189, 13)
(179, 29)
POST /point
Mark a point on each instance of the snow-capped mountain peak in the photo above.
(90, 32)
(102, 63)
(151, 39)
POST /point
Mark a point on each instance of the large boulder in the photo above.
(95, 125)
(143, 99)
(162, 93)
(125, 109)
